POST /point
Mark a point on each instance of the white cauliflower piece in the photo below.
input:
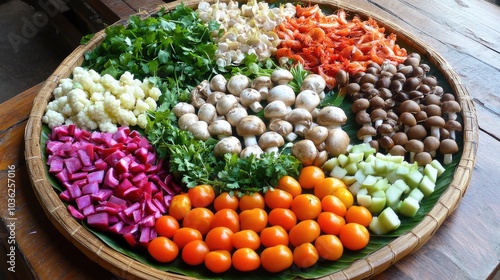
(53, 118)
(108, 127)
(66, 85)
(111, 104)
(95, 76)
(97, 96)
(83, 120)
(151, 103)
(154, 93)
(78, 100)
(140, 107)
(127, 100)
(126, 79)
(126, 118)
(142, 120)
(110, 83)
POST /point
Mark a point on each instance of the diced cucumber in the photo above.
(351, 168)
(364, 200)
(360, 175)
(414, 178)
(416, 194)
(354, 188)
(338, 172)
(427, 186)
(380, 165)
(393, 195)
(369, 168)
(343, 160)
(370, 158)
(369, 182)
(381, 184)
(409, 207)
(401, 184)
(395, 159)
(356, 157)
(330, 164)
(440, 168)
(431, 172)
(378, 204)
(389, 219)
(349, 180)
(377, 227)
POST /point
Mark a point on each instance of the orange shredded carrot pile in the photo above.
(324, 44)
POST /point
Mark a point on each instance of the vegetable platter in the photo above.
(113, 150)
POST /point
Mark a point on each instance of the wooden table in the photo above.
(466, 246)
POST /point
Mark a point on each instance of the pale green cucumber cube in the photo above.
(389, 219)
(349, 180)
(427, 186)
(330, 164)
(431, 172)
(381, 156)
(393, 195)
(370, 158)
(402, 185)
(360, 176)
(377, 227)
(380, 166)
(356, 157)
(395, 159)
(364, 200)
(369, 168)
(403, 170)
(354, 188)
(338, 172)
(393, 177)
(409, 207)
(343, 160)
(414, 178)
(391, 166)
(360, 148)
(440, 168)
(351, 168)
(417, 194)
(381, 184)
(378, 204)
(369, 181)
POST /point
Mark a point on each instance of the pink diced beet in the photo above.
(83, 201)
(98, 221)
(101, 164)
(74, 191)
(89, 210)
(75, 213)
(90, 188)
(148, 221)
(77, 176)
(84, 157)
(96, 176)
(129, 210)
(72, 164)
(145, 236)
(102, 195)
(110, 179)
(117, 227)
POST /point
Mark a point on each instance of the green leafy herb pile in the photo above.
(176, 47)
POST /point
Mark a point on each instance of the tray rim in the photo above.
(372, 264)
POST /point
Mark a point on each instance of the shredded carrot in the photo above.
(325, 44)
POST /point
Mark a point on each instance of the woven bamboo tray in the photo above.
(374, 263)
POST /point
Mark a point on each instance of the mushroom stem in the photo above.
(447, 158)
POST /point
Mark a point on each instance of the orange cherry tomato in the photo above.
(219, 238)
(282, 217)
(166, 226)
(218, 261)
(354, 236)
(194, 252)
(327, 186)
(331, 203)
(245, 259)
(226, 218)
(277, 198)
(358, 214)
(163, 249)
(184, 235)
(276, 258)
(306, 206)
(345, 196)
(310, 175)
(179, 206)
(305, 255)
(201, 195)
(251, 201)
(330, 223)
(304, 232)
(226, 201)
(199, 218)
(290, 185)
(246, 239)
(255, 219)
(329, 247)
(274, 235)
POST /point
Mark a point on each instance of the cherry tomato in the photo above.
(184, 235)
(277, 198)
(274, 235)
(246, 239)
(219, 238)
(331, 203)
(327, 186)
(218, 261)
(201, 195)
(330, 223)
(163, 249)
(245, 259)
(304, 232)
(329, 247)
(194, 252)
(179, 206)
(255, 219)
(199, 218)
(251, 201)
(282, 217)
(309, 176)
(306, 206)
(290, 185)
(358, 214)
(345, 196)
(305, 255)
(276, 258)
(354, 236)
(226, 218)
(226, 201)
(166, 226)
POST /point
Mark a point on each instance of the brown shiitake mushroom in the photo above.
(400, 138)
(366, 133)
(397, 150)
(453, 126)
(386, 143)
(363, 119)
(434, 123)
(447, 148)
(409, 106)
(360, 105)
(423, 158)
(378, 116)
(407, 120)
(431, 145)
(414, 146)
(417, 132)
(450, 108)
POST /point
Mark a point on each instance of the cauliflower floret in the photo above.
(53, 118)
(126, 118)
(58, 92)
(142, 121)
(126, 78)
(154, 93)
(57, 104)
(94, 76)
(151, 103)
(140, 107)
(108, 127)
(97, 87)
(97, 96)
(78, 100)
(110, 83)
(137, 91)
(127, 100)
(67, 111)
(111, 104)
(83, 120)
(66, 85)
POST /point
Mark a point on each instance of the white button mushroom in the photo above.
(220, 129)
(270, 142)
(308, 99)
(262, 84)
(251, 98)
(332, 117)
(235, 115)
(225, 104)
(251, 150)
(301, 120)
(316, 83)
(284, 93)
(249, 127)
(237, 84)
(227, 145)
(182, 108)
(199, 130)
(207, 113)
(215, 97)
(186, 120)
(284, 128)
(218, 83)
(275, 110)
(281, 76)
(318, 135)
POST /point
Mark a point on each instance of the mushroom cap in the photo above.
(314, 82)
(378, 114)
(422, 158)
(450, 106)
(186, 120)
(414, 146)
(377, 102)
(218, 83)
(251, 150)
(262, 82)
(385, 129)
(447, 97)
(452, 125)
(282, 92)
(299, 115)
(250, 125)
(275, 110)
(386, 142)
(271, 139)
(431, 143)
(433, 110)
(307, 99)
(235, 114)
(337, 142)
(366, 131)
(215, 97)
(281, 76)
(397, 150)
(435, 121)
(182, 108)
(225, 104)
(421, 116)
(237, 83)
(249, 96)
(409, 106)
(281, 126)
(408, 119)
(400, 138)
(448, 146)
(220, 127)
(331, 116)
(229, 144)
(360, 105)
(317, 134)
(363, 118)
(417, 132)
(199, 130)
(207, 113)
(305, 151)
